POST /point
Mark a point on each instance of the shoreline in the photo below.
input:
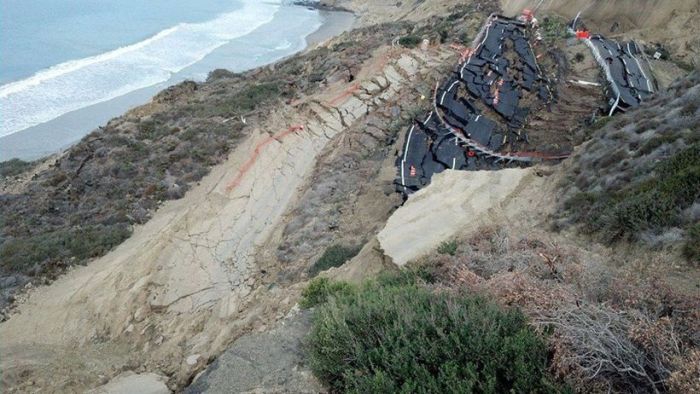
(58, 135)
(318, 5)
(335, 22)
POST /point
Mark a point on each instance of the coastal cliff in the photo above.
(191, 227)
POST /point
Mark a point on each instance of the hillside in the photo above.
(176, 241)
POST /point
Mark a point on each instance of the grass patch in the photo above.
(396, 335)
(334, 256)
(448, 247)
(81, 243)
(653, 204)
(410, 41)
(13, 167)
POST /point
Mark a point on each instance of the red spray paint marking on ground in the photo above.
(337, 99)
(463, 51)
(354, 87)
(254, 157)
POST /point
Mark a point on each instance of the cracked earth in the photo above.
(191, 280)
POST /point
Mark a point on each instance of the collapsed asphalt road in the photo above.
(626, 69)
(480, 110)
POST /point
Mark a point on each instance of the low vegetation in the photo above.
(609, 328)
(553, 28)
(78, 243)
(334, 256)
(319, 289)
(13, 167)
(448, 247)
(410, 41)
(638, 180)
(398, 334)
(654, 204)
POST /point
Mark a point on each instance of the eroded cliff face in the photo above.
(231, 256)
(671, 22)
(206, 268)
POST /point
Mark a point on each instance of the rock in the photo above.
(8, 281)
(192, 360)
(270, 361)
(130, 382)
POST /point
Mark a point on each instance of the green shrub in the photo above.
(653, 204)
(392, 335)
(691, 250)
(83, 243)
(318, 291)
(554, 28)
(448, 247)
(13, 167)
(334, 256)
(245, 100)
(410, 41)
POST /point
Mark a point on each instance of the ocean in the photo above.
(70, 65)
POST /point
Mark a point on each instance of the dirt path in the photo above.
(186, 283)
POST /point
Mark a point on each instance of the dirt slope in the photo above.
(671, 22)
(185, 284)
(454, 201)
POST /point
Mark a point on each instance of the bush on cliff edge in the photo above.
(394, 335)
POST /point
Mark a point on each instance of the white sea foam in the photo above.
(283, 45)
(79, 83)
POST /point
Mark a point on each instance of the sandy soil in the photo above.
(186, 283)
(455, 201)
(671, 22)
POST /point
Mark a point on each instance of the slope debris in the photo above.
(187, 282)
(453, 202)
(481, 111)
(305, 158)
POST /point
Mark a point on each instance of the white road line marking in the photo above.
(403, 162)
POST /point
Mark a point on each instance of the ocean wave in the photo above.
(76, 84)
(283, 45)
